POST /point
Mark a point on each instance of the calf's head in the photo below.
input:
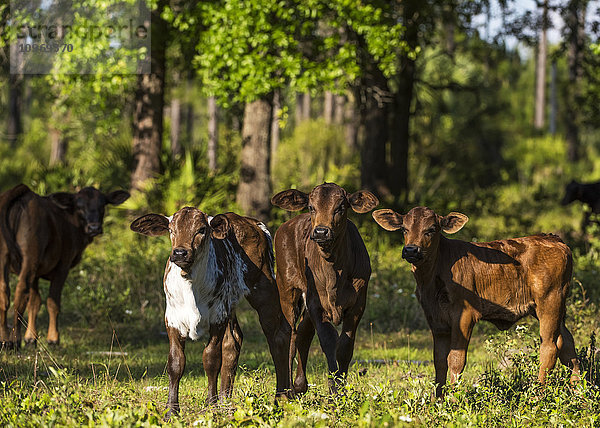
(88, 204)
(190, 231)
(328, 206)
(421, 228)
(572, 193)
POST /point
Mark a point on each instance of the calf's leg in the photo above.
(232, 344)
(567, 353)
(550, 316)
(26, 279)
(53, 306)
(345, 343)
(441, 349)
(305, 335)
(175, 368)
(4, 299)
(265, 299)
(289, 298)
(328, 338)
(212, 359)
(33, 308)
(459, 343)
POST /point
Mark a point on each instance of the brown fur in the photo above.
(331, 273)
(460, 283)
(189, 227)
(44, 237)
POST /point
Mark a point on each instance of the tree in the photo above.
(213, 133)
(251, 49)
(149, 105)
(574, 16)
(540, 70)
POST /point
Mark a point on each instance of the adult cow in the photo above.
(213, 263)
(460, 283)
(323, 270)
(44, 237)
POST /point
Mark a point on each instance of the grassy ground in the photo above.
(83, 383)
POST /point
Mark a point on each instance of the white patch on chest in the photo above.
(206, 296)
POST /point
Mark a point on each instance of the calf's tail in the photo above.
(7, 200)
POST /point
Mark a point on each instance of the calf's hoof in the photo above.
(54, 343)
(30, 343)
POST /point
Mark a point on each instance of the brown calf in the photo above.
(44, 237)
(460, 283)
(213, 263)
(322, 260)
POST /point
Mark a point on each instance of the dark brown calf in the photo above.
(213, 263)
(460, 283)
(44, 237)
(588, 193)
(323, 269)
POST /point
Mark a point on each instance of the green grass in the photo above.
(81, 384)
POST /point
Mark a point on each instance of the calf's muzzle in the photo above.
(321, 234)
(412, 253)
(180, 256)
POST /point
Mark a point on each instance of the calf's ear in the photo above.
(291, 200)
(117, 197)
(388, 219)
(363, 201)
(453, 222)
(220, 226)
(64, 200)
(151, 225)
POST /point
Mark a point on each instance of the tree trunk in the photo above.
(176, 127)
(58, 147)
(553, 99)
(306, 106)
(575, 23)
(15, 101)
(328, 107)
(400, 139)
(351, 124)
(275, 131)
(374, 119)
(189, 112)
(540, 72)
(254, 190)
(338, 115)
(213, 133)
(149, 105)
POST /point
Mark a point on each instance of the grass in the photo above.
(391, 383)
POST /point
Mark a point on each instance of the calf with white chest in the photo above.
(323, 270)
(460, 283)
(213, 263)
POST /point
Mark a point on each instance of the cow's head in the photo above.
(572, 193)
(421, 228)
(190, 231)
(328, 206)
(88, 204)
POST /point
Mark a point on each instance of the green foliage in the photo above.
(251, 48)
(316, 152)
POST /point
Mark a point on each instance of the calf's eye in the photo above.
(202, 230)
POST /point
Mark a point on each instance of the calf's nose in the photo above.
(321, 232)
(411, 252)
(179, 254)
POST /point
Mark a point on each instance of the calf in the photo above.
(44, 237)
(322, 260)
(589, 194)
(460, 283)
(213, 263)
